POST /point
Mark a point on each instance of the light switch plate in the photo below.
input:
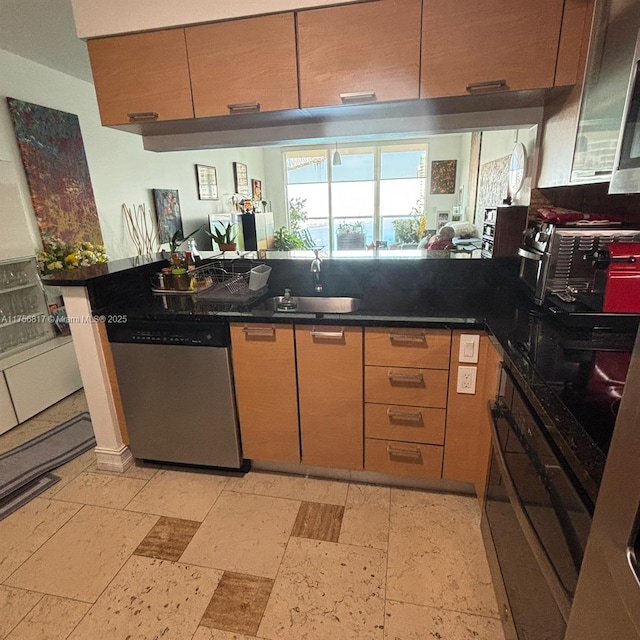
(469, 347)
(467, 380)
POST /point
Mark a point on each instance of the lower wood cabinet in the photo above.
(330, 395)
(403, 458)
(264, 368)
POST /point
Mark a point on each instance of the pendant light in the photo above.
(337, 160)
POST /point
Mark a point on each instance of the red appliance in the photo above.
(622, 287)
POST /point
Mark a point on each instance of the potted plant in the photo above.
(224, 236)
(350, 235)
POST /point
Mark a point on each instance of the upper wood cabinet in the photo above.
(243, 66)
(472, 46)
(359, 53)
(142, 77)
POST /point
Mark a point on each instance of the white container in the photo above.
(258, 277)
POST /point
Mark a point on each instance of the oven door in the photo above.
(535, 524)
(533, 272)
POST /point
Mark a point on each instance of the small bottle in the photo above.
(191, 265)
(287, 301)
(193, 248)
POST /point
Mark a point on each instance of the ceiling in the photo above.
(44, 31)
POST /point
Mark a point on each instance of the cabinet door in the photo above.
(330, 392)
(359, 52)
(243, 66)
(264, 371)
(471, 46)
(142, 77)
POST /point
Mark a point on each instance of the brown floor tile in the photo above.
(168, 539)
(318, 521)
(238, 603)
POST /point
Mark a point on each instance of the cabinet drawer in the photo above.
(408, 347)
(398, 385)
(411, 424)
(403, 458)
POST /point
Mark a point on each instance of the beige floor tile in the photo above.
(15, 604)
(294, 487)
(101, 490)
(150, 599)
(179, 494)
(24, 531)
(436, 554)
(326, 590)
(140, 470)
(238, 603)
(67, 408)
(168, 539)
(203, 633)
(52, 618)
(366, 516)
(244, 533)
(412, 622)
(80, 560)
(24, 432)
(318, 521)
(70, 471)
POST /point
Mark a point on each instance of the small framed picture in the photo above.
(241, 179)
(168, 213)
(207, 182)
(256, 189)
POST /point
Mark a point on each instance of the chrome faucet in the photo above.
(315, 270)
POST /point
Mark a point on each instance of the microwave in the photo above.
(626, 169)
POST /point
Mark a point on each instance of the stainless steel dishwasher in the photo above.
(177, 391)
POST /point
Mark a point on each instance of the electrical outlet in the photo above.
(466, 380)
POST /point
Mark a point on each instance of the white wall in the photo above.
(121, 170)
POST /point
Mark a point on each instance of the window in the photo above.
(375, 195)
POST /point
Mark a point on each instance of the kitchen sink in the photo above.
(312, 304)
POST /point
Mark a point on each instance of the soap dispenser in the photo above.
(287, 302)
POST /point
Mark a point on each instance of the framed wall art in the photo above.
(241, 179)
(256, 189)
(443, 177)
(207, 182)
(168, 212)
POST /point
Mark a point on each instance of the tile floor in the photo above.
(168, 553)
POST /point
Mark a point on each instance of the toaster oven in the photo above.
(556, 259)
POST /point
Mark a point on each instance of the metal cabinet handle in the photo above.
(399, 415)
(415, 337)
(259, 330)
(244, 107)
(490, 85)
(416, 454)
(358, 96)
(142, 116)
(328, 334)
(405, 377)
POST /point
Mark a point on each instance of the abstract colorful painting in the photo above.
(443, 177)
(55, 163)
(168, 212)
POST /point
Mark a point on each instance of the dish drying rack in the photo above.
(237, 281)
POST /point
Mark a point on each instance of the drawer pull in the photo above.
(259, 331)
(414, 337)
(358, 96)
(335, 335)
(415, 454)
(244, 107)
(415, 378)
(398, 415)
(491, 85)
(142, 116)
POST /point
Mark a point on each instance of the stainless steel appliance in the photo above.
(607, 601)
(177, 391)
(555, 258)
(535, 521)
(626, 169)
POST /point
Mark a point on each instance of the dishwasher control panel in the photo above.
(171, 333)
